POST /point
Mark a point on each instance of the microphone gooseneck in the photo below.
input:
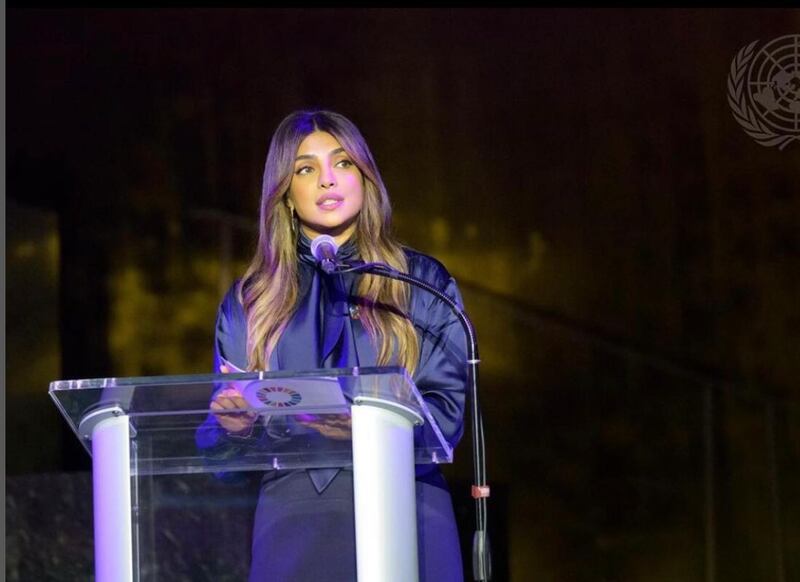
(324, 250)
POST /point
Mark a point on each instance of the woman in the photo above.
(287, 314)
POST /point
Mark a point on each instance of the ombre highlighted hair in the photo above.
(270, 286)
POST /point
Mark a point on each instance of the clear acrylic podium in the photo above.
(148, 435)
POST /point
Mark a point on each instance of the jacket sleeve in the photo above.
(230, 333)
(441, 376)
(229, 345)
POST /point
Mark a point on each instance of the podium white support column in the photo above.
(111, 477)
(384, 491)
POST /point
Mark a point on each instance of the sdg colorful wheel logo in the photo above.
(278, 396)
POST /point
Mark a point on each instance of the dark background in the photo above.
(630, 256)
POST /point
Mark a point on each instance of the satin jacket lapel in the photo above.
(367, 355)
(335, 301)
(274, 360)
(299, 346)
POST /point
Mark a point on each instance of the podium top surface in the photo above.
(175, 432)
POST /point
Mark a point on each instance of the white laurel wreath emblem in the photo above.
(745, 115)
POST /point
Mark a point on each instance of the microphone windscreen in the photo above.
(318, 244)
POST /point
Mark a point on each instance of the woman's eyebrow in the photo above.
(312, 156)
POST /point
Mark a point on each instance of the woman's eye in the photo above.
(344, 163)
(303, 170)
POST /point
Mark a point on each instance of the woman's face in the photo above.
(327, 188)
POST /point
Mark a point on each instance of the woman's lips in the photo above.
(330, 202)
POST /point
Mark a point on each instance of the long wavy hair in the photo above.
(269, 289)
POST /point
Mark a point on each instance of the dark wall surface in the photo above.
(629, 254)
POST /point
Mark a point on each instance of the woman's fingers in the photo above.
(333, 432)
(333, 426)
(231, 401)
(230, 398)
(230, 407)
(226, 403)
(340, 419)
(230, 415)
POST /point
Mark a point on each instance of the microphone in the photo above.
(481, 549)
(324, 250)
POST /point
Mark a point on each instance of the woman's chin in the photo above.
(339, 231)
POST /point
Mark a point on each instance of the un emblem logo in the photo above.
(764, 91)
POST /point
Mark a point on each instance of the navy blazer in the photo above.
(322, 334)
(441, 373)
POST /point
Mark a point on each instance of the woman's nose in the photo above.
(326, 178)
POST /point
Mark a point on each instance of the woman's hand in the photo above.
(236, 423)
(333, 426)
